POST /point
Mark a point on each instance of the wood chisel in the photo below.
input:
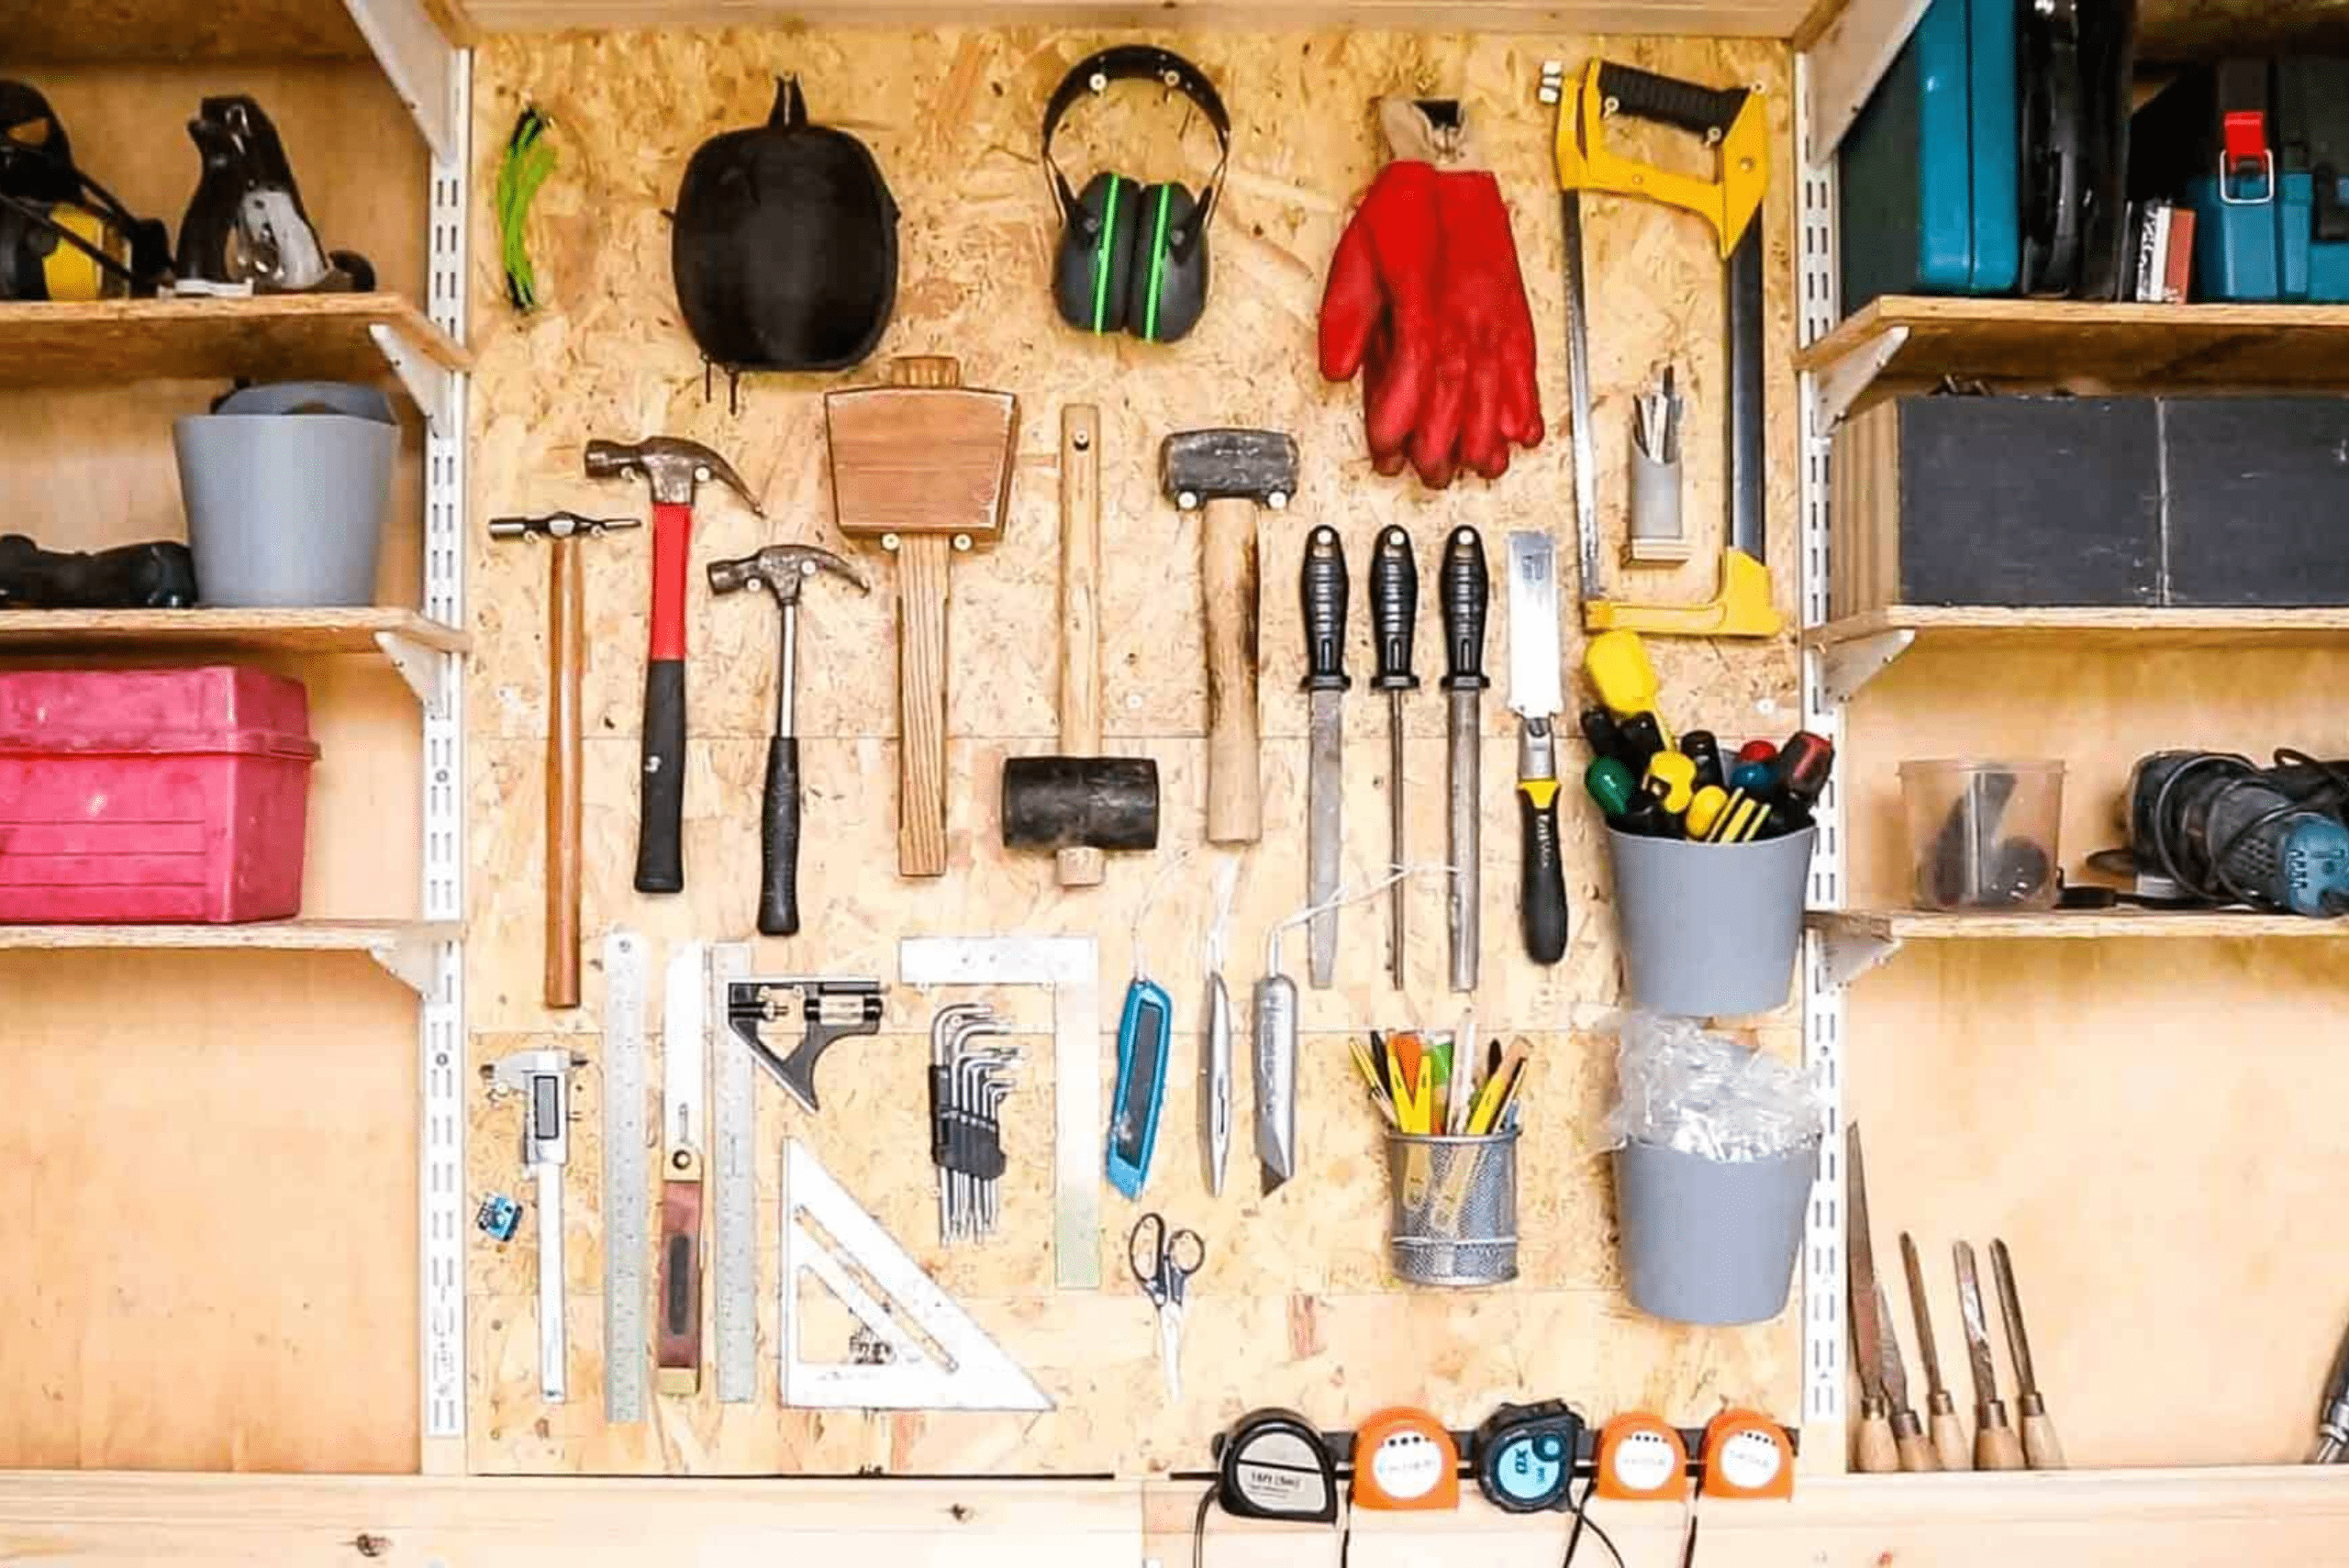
(683, 1136)
(1465, 590)
(1996, 1446)
(626, 1180)
(1322, 587)
(1393, 616)
(2041, 1448)
(1535, 694)
(1947, 1431)
(542, 1080)
(734, 1218)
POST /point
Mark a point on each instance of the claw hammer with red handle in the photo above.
(674, 468)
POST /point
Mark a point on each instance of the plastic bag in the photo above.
(1680, 1087)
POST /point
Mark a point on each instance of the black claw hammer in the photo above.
(780, 569)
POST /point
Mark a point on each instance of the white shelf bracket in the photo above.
(1846, 667)
(420, 64)
(426, 669)
(1846, 381)
(1847, 955)
(1846, 62)
(425, 381)
(411, 960)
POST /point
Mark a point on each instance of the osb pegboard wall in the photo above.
(1295, 1305)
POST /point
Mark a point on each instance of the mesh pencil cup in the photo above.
(1452, 1208)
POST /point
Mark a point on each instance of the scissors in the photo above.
(1163, 1261)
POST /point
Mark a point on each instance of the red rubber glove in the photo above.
(1380, 304)
(1486, 346)
(1426, 302)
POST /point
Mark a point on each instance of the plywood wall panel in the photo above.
(210, 1260)
(1296, 1304)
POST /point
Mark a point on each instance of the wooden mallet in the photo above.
(921, 466)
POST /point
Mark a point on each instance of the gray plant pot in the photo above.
(1704, 1242)
(1709, 930)
(284, 511)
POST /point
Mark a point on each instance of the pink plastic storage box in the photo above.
(152, 796)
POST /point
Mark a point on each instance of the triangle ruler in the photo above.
(916, 1348)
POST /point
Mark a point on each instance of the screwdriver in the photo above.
(1617, 663)
(1700, 746)
(1629, 808)
(1393, 610)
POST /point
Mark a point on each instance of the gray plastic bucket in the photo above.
(1704, 1242)
(1707, 929)
(285, 510)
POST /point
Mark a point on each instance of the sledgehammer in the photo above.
(1080, 804)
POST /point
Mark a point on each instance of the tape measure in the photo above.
(1642, 1459)
(1525, 1456)
(1275, 1465)
(1405, 1459)
(1747, 1455)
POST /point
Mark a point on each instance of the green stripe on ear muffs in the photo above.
(1157, 264)
(1102, 257)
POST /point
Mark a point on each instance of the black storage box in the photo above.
(2134, 502)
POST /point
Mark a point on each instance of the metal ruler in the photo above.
(625, 1186)
(734, 1133)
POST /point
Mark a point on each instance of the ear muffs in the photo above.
(1169, 290)
(1093, 279)
(1133, 258)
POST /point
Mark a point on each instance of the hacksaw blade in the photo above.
(626, 1189)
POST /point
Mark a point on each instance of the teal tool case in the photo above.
(2259, 149)
(1929, 173)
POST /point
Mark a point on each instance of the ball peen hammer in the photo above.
(780, 569)
(566, 655)
(1225, 475)
(1080, 803)
(675, 469)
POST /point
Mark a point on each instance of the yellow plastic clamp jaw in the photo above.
(1730, 202)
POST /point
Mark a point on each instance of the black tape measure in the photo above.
(1274, 1465)
(1525, 1456)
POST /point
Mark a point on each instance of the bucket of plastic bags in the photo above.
(1716, 1148)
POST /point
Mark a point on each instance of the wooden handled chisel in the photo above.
(1941, 1410)
(1996, 1447)
(2039, 1447)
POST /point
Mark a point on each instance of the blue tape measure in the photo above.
(1525, 1456)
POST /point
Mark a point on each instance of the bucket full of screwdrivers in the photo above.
(1710, 848)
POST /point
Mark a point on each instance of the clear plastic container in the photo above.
(1984, 833)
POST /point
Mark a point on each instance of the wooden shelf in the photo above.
(274, 936)
(266, 631)
(2250, 346)
(1859, 940)
(1700, 18)
(407, 949)
(267, 337)
(2090, 626)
